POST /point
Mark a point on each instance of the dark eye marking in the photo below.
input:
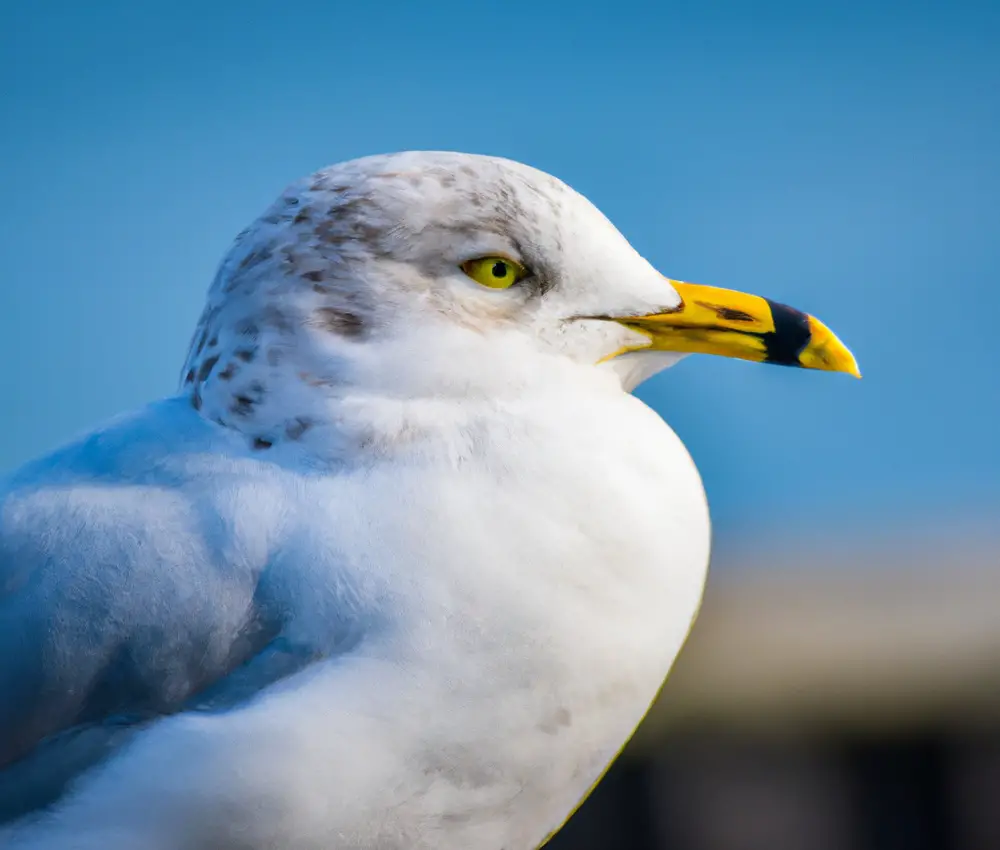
(343, 322)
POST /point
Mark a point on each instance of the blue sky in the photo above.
(842, 157)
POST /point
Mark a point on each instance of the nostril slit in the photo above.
(728, 314)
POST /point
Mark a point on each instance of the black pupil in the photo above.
(499, 269)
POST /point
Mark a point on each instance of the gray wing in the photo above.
(123, 599)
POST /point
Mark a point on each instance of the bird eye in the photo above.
(494, 272)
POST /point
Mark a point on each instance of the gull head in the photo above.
(431, 275)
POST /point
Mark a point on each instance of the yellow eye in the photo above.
(494, 272)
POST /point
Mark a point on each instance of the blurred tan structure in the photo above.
(829, 698)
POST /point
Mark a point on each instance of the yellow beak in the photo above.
(721, 321)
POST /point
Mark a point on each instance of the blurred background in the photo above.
(841, 690)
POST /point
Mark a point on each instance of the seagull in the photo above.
(402, 564)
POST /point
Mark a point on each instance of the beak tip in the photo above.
(825, 351)
(843, 361)
(850, 365)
